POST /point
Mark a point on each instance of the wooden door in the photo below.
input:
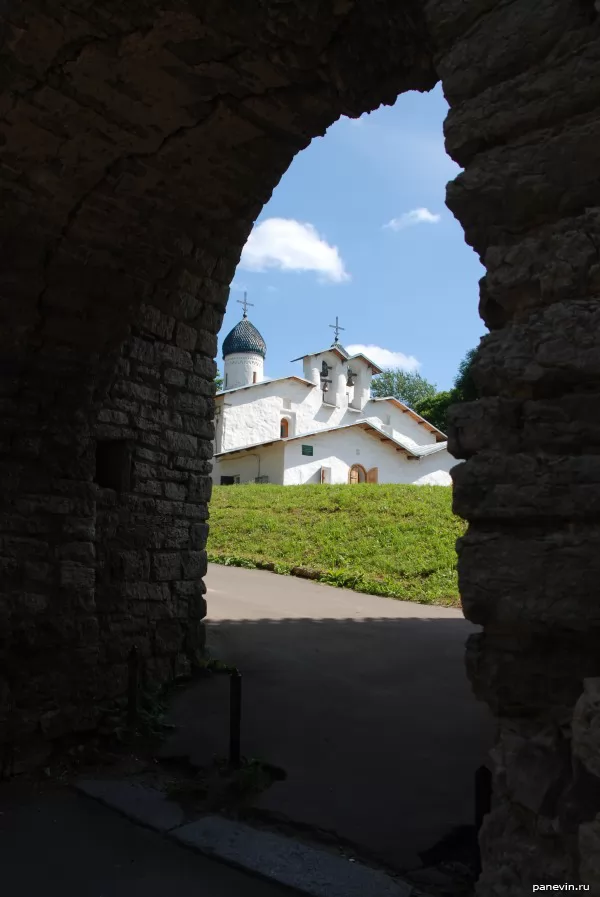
(373, 475)
(357, 474)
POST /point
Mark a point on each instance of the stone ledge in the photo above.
(285, 861)
(147, 806)
(306, 869)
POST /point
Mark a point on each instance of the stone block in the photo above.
(176, 491)
(146, 374)
(191, 403)
(175, 357)
(177, 536)
(142, 350)
(80, 552)
(113, 416)
(186, 337)
(154, 321)
(185, 305)
(206, 344)
(166, 565)
(199, 535)
(490, 424)
(199, 511)
(194, 564)
(200, 385)
(131, 565)
(146, 454)
(163, 417)
(139, 392)
(527, 487)
(181, 462)
(174, 377)
(526, 673)
(170, 508)
(77, 576)
(204, 429)
(147, 591)
(541, 577)
(148, 487)
(206, 368)
(182, 443)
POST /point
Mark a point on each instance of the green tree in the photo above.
(218, 382)
(464, 385)
(435, 408)
(410, 388)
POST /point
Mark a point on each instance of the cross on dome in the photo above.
(244, 302)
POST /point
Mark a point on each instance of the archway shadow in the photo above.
(372, 719)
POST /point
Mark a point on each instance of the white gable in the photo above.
(259, 425)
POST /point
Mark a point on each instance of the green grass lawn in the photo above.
(393, 540)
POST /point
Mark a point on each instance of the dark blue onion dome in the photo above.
(244, 338)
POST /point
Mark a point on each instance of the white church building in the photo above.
(319, 427)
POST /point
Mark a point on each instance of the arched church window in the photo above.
(284, 428)
(357, 474)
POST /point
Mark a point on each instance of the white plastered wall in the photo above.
(403, 425)
(242, 369)
(339, 451)
(267, 461)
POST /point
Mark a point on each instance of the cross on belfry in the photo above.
(245, 303)
(337, 329)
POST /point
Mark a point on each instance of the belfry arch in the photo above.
(138, 144)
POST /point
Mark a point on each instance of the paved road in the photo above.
(362, 700)
(57, 844)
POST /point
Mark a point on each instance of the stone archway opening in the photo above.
(138, 146)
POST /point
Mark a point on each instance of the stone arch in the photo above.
(138, 145)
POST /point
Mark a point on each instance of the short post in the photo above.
(132, 688)
(235, 717)
(483, 805)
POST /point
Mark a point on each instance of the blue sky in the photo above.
(358, 228)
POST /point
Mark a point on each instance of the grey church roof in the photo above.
(412, 450)
(244, 338)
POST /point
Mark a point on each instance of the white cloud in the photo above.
(289, 245)
(415, 216)
(385, 358)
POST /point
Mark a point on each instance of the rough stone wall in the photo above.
(523, 81)
(137, 145)
(151, 531)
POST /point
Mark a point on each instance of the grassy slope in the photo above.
(385, 540)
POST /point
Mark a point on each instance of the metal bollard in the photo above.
(483, 805)
(235, 716)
